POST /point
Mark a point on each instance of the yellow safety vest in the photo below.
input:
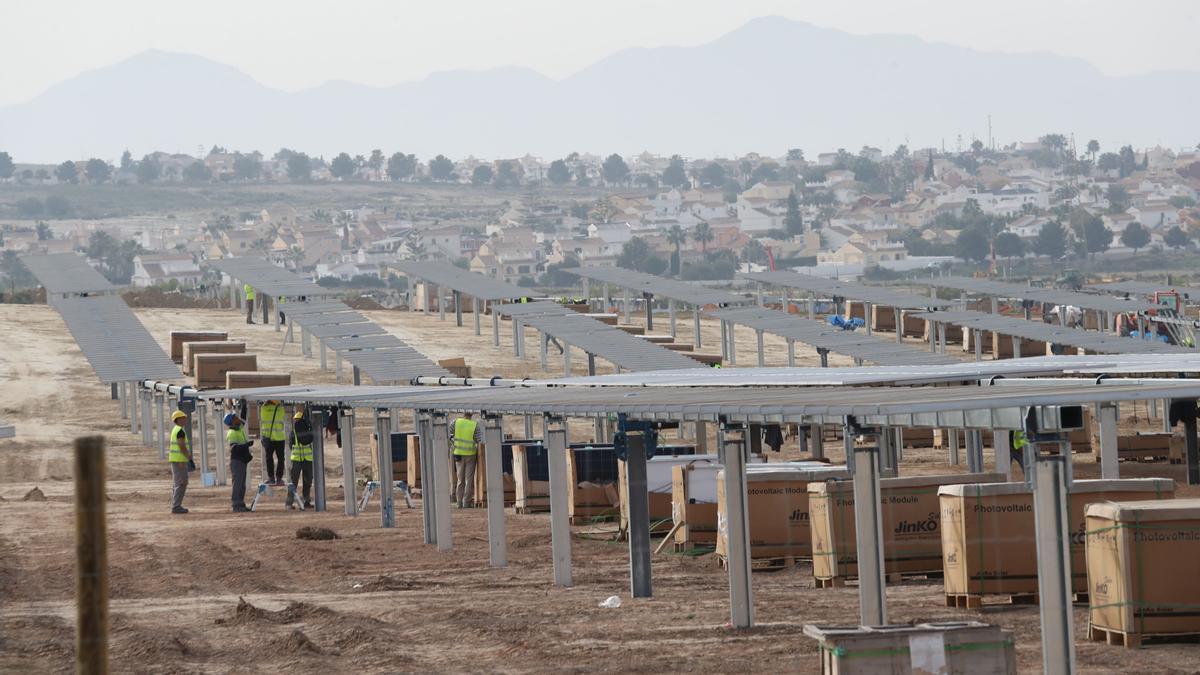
(300, 453)
(236, 436)
(464, 437)
(1019, 440)
(176, 452)
(270, 422)
(249, 291)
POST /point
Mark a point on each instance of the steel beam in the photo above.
(1054, 564)
(868, 524)
(493, 452)
(1109, 460)
(440, 487)
(560, 523)
(387, 493)
(318, 422)
(732, 454)
(639, 518)
(346, 424)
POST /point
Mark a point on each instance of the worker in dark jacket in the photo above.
(239, 460)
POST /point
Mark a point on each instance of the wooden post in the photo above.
(91, 553)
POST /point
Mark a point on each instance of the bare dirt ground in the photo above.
(215, 591)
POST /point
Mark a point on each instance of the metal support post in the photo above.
(123, 397)
(218, 443)
(1054, 565)
(262, 305)
(977, 343)
(162, 424)
(639, 517)
(318, 445)
(457, 308)
(696, 318)
(1002, 454)
(791, 353)
(1109, 464)
(671, 314)
(974, 451)
(868, 530)
(493, 451)
(625, 303)
(899, 315)
(812, 301)
(476, 309)
(495, 326)
(542, 340)
(1192, 453)
(816, 441)
(440, 481)
(724, 342)
(761, 356)
(145, 400)
(441, 299)
(591, 361)
(132, 403)
(346, 424)
(387, 487)
(566, 359)
(1016, 347)
(824, 354)
(867, 316)
(649, 311)
(275, 313)
(517, 347)
(732, 455)
(202, 426)
(528, 426)
(732, 343)
(424, 432)
(560, 523)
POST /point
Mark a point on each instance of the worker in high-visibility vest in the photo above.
(239, 460)
(249, 290)
(270, 430)
(465, 441)
(302, 457)
(1017, 441)
(180, 457)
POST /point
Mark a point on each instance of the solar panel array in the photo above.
(463, 281)
(1145, 288)
(641, 282)
(1093, 341)
(66, 273)
(821, 335)
(113, 340)
(594, 337)
(268, 278)
(1000, 289)
(876, 295)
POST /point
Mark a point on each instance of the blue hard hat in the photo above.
(228, 419)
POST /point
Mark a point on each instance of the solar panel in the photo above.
(7, 430)
(608, 342)
(114, 342)
(268, 278)
(463, 281)
(1103, 303)
(1094, 341)
(1145, 288)
(688, 293)
(66, 273)
(884, 297)
(822, 336)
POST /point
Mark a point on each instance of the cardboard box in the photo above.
(399, 452)
(211, 369)
(1141, 566)
(191, 349)
(529, 494)
(777, 505)
(694, 503)
(236, 379)
(988, 543)
(658, 485)
(947, 647)
(587, 500)
(912, 540)
(178, 337)
(506, 479)
(413, 465)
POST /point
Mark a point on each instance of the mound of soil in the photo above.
(316, 533)
(246, 613)
(388, 582)
(34, 495)
(363, 303)
(296, 643)
(153, 297)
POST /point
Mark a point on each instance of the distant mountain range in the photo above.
(770, 85)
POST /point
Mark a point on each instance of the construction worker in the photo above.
(239, 460)
(467, 438)
(302, 458)
(249, 290)
(180, 457)
(270, 423)
(1017, 441)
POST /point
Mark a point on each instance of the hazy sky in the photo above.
(294, 44)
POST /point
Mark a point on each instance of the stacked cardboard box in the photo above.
(587, 500)
(988, 542)
(694, 501)
(458, 366)
(510, 486)
(413, 465)
(178, 337)
(529, 495)
(1141, 567)
(212, 369)
(658, 483)
(949, 647)
(192, 349)
(777, 506)
(912, 541)
(247, 379)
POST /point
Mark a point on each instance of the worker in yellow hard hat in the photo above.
(302, 458)
(180, 457)
(270, 430)
(249, 291)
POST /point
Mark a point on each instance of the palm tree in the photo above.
(677, 236)
(703, 234)
(1093, 147)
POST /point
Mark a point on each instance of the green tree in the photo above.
(58, 207)
(97, 170)
(1055, 142)
(636, 255)
(929, 167)
(1096, 237)
(754, 252)
(713, 175)
(1128, 161)
(401, 166)
(702, 232)
(792, 220)
(44, 233)
(1181, 202)
(299, 167)
(614, 170)
(66, 173)
(678, 237)
(148, 170)
(247, 167)
(795, 155)
(7, 167)
(127, 163)
(197, 172)
(342, 166)
(441, 168)
(1118, 198)
(581, 177)
(16, 272)
(482, 175)
(1135, 236)
(30, 207)
(1175, 238)
(559, 173)
(1093, 146)
(971, 245)
(1009, 246)
(376, 160)
(766, 171)
(976, 146)
(506, 175)
(675, 174)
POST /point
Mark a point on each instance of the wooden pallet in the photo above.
(1134, 640)
(590, 520)
(692, 547)
(972, 601)
(526, 510)
(763, 564)
(892, 578)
